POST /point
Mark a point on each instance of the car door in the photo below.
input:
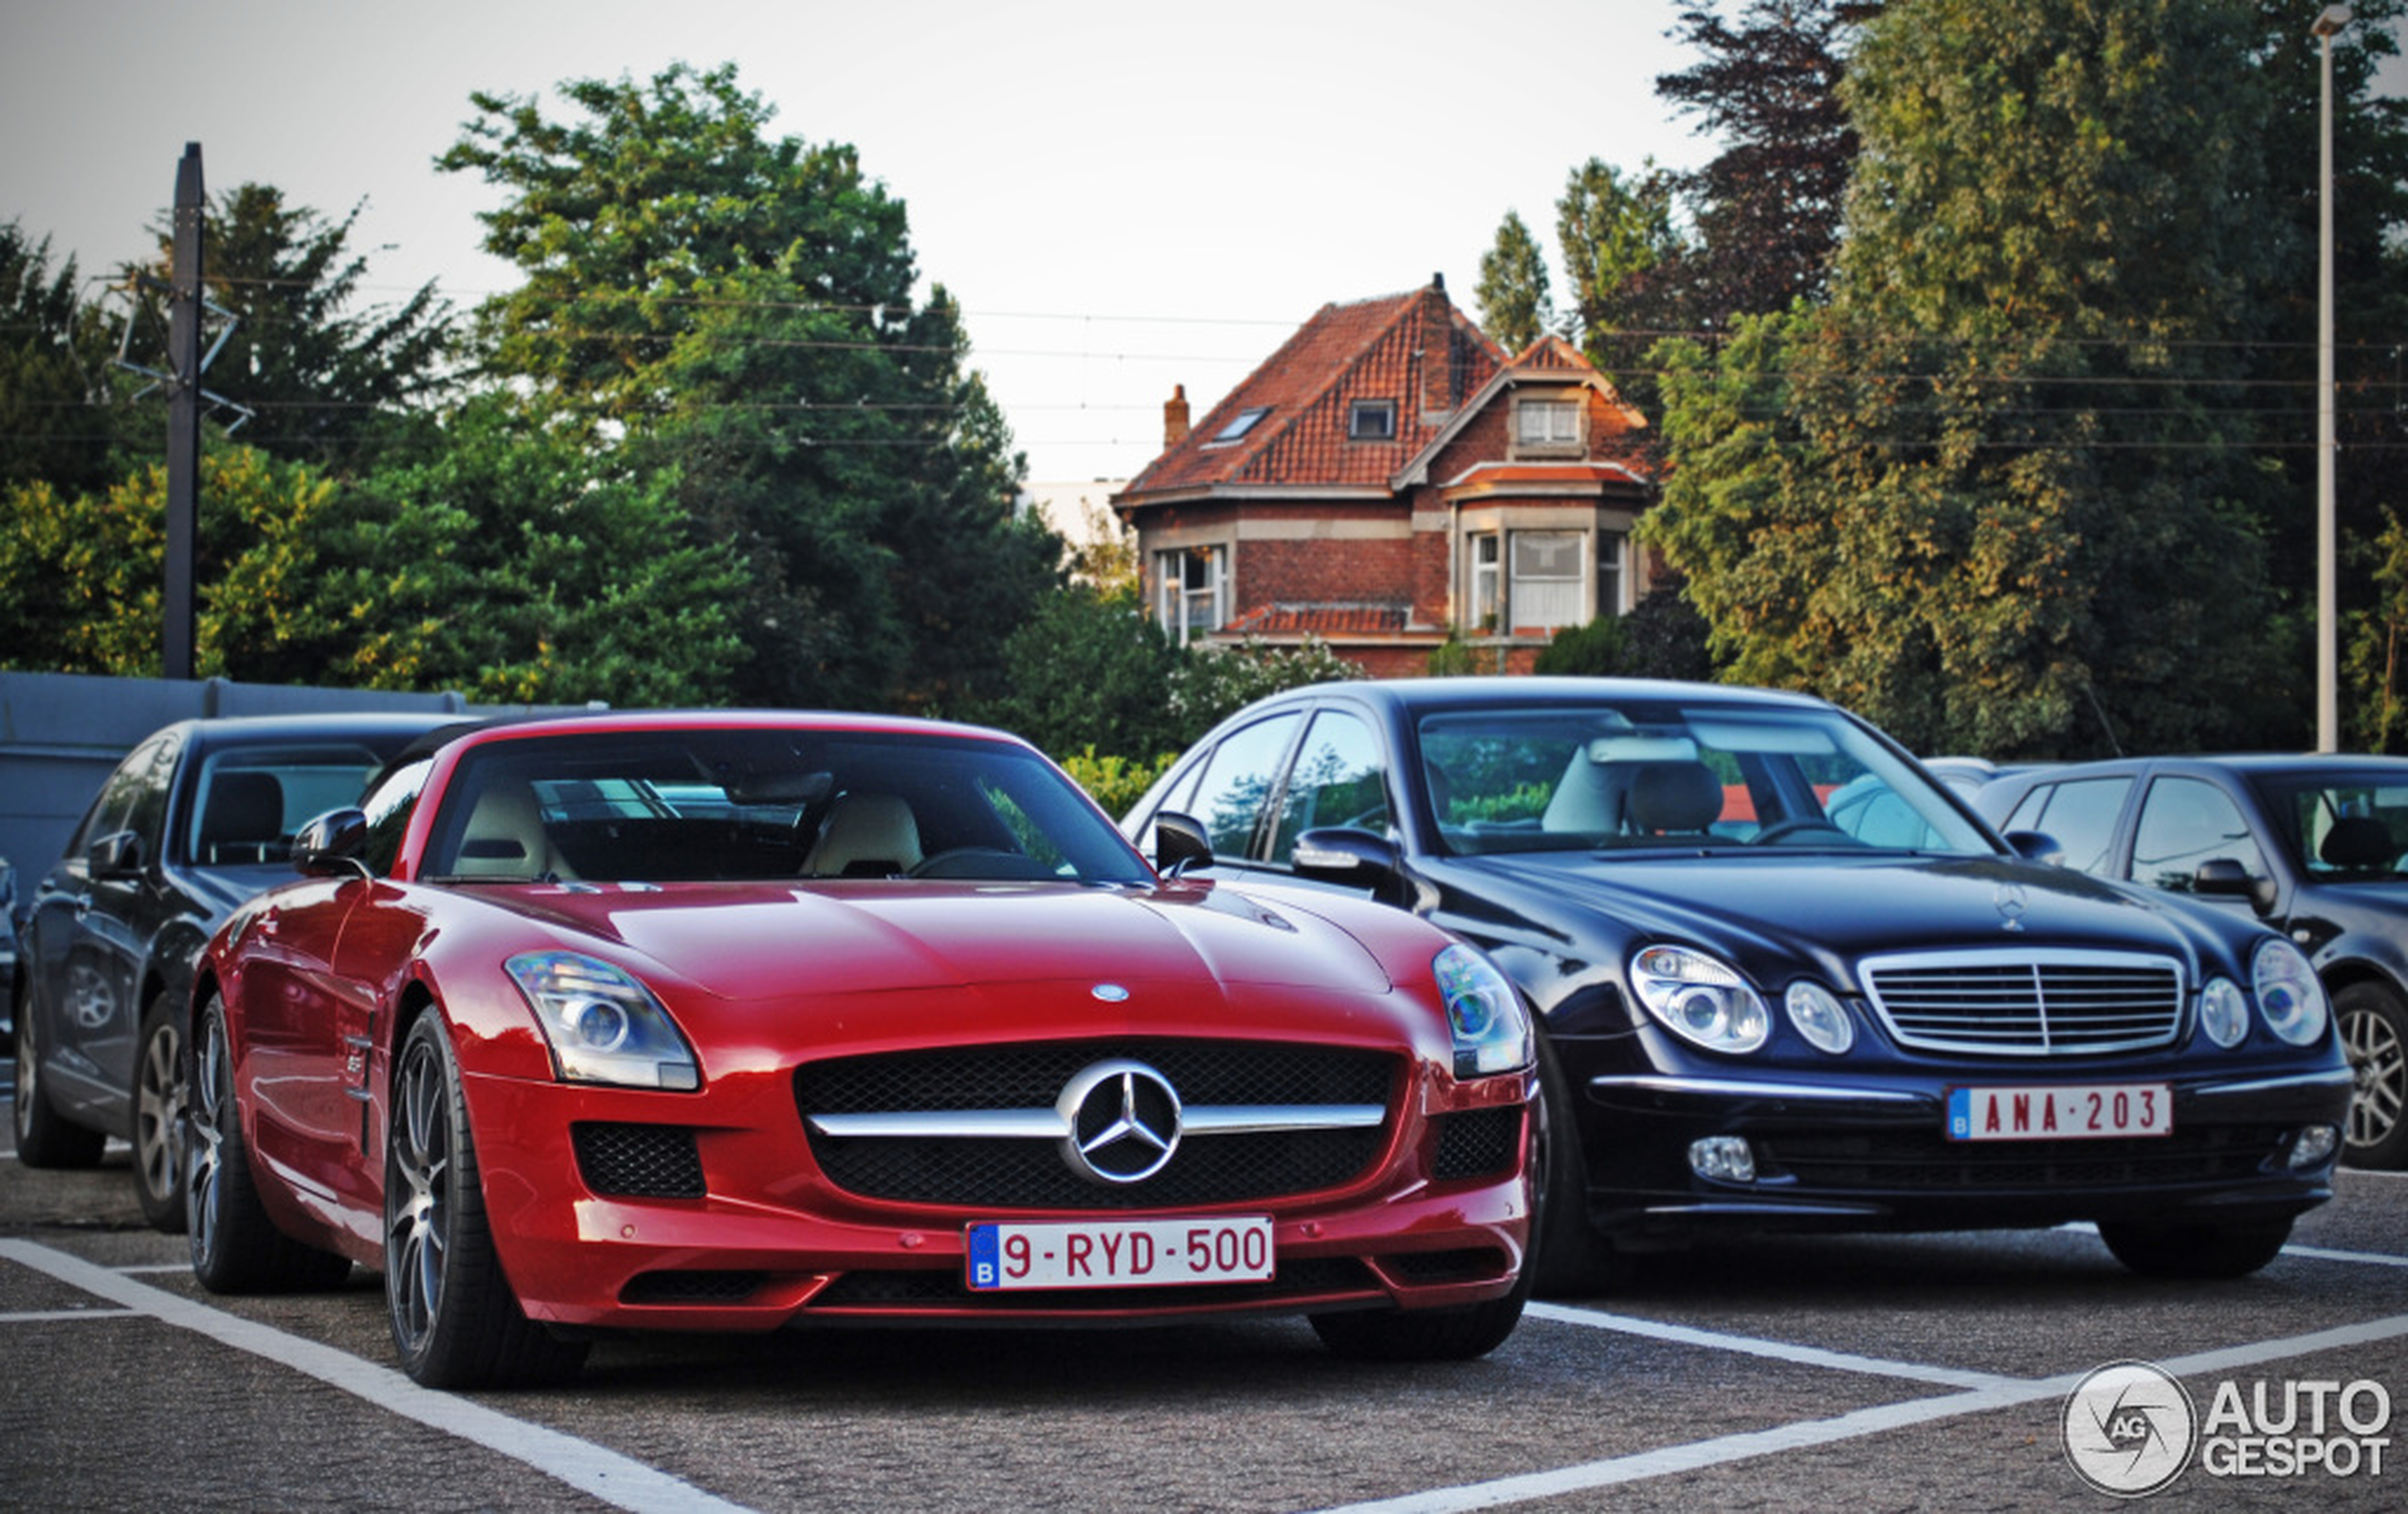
(87, 942)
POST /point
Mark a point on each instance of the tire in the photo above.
(2374, 1032)
(44, 1138)
(235, 1247)
(1424, 1335)
(455, 1322)
(1568, 1257)
(158, 1118)
(2195, 1251)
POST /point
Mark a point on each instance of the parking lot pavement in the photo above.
(1892, 1371)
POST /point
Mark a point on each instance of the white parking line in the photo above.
(1777, 1350)
(615, 1479)
(2004, 1393)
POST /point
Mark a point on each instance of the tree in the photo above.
(1089, 671)
(738, 311)
(1514, 306)
(1621, 248)
(1766, 208)
(328, 383)
(57, 422)
(1995, 494)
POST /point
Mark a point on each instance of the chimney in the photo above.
(1175, 417)
(1439, 394)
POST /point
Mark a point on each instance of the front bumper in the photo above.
(757, 1239)
(1875, 1154)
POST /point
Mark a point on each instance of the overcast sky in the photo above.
(1121, 195)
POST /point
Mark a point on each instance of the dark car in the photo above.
(2316, 847)
(196, 819)
(7, 954)
(1787, 980)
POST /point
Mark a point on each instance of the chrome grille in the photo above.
(2027, 1003)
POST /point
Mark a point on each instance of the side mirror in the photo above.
(1339, 854)
(1180, 842)
(2036, 846)
(2224, 877)
(118, 854)
(330, 845)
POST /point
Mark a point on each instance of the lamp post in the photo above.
(2327, 617)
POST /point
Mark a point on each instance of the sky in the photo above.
(1120, 195)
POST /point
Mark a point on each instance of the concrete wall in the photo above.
(61, 733)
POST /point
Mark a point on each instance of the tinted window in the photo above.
(1337, 782)
(2081, 817)
(1230, 797)
(389, 810)
(134, 797)
(2351, 824)
(252, 798)
(2183, 823)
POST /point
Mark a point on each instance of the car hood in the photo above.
(1834, 909)
(746, 941)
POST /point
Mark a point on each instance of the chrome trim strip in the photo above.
(1735, 1088)
(1049, 1125)
(2342, 1079)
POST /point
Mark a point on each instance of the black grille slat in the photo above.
(1879, 1163)
(1477, 1144)
(1004, 1174)
(638, 1161)
(2028, 1004)
(923, 1288)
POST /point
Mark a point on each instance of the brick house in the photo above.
(1390, 475)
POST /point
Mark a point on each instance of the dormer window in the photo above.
(1546, 425)
(1243, 422)
(1371, 420)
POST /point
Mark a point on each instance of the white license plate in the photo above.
(2061, 1111)
(1105, 1253)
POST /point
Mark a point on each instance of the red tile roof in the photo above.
(1320, 620)
(1369, 350)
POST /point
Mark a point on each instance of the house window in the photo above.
(1243, 422)
(1525, 581)
(1549, 578)
(1372, 420)
(1192, 590)
(1488, 607)
(1612, 548)
(1546, 424)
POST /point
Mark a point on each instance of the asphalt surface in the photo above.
(1924, 1372)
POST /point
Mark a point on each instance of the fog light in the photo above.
(1724, 1158)
(2314, 1146)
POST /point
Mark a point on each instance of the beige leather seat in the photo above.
(867, 835)
(506, 838)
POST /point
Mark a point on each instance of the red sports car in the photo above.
(739, 1021)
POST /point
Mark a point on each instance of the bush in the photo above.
(1116, 783)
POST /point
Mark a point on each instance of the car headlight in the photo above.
(1700, 999)
(2223, 1011)
(1484, 1014)
(1820, 1017)
(603, 1025)
(2289, 999)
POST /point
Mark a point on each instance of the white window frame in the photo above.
(1525, 587)
(1548, 423)
(1191, 608)
(1613, 572)
(1380, 414)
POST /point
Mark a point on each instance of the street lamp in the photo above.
(2327, 620)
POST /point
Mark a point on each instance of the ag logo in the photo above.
(2129, 1429)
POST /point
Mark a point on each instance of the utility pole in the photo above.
(183, 417)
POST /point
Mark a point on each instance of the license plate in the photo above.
(2061, 1112)
(1119, 1253)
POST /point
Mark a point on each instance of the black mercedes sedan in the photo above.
(2314, 846)
(1786, 979)
(196, 818)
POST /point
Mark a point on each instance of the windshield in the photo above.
(654, 806)
(1644, 773)
(2344, 828)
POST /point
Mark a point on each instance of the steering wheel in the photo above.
(978, 862)
(1781, 830)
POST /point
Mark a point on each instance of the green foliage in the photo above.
(738, 311)
(2376, 657)
(1089, 671)
(57, 424)
(1114, 782)
(1212, 682)
(1621, 248)
(1457, 658)
(329, 383)
(1514, 306)
(1991, 496)
(1594, 650)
